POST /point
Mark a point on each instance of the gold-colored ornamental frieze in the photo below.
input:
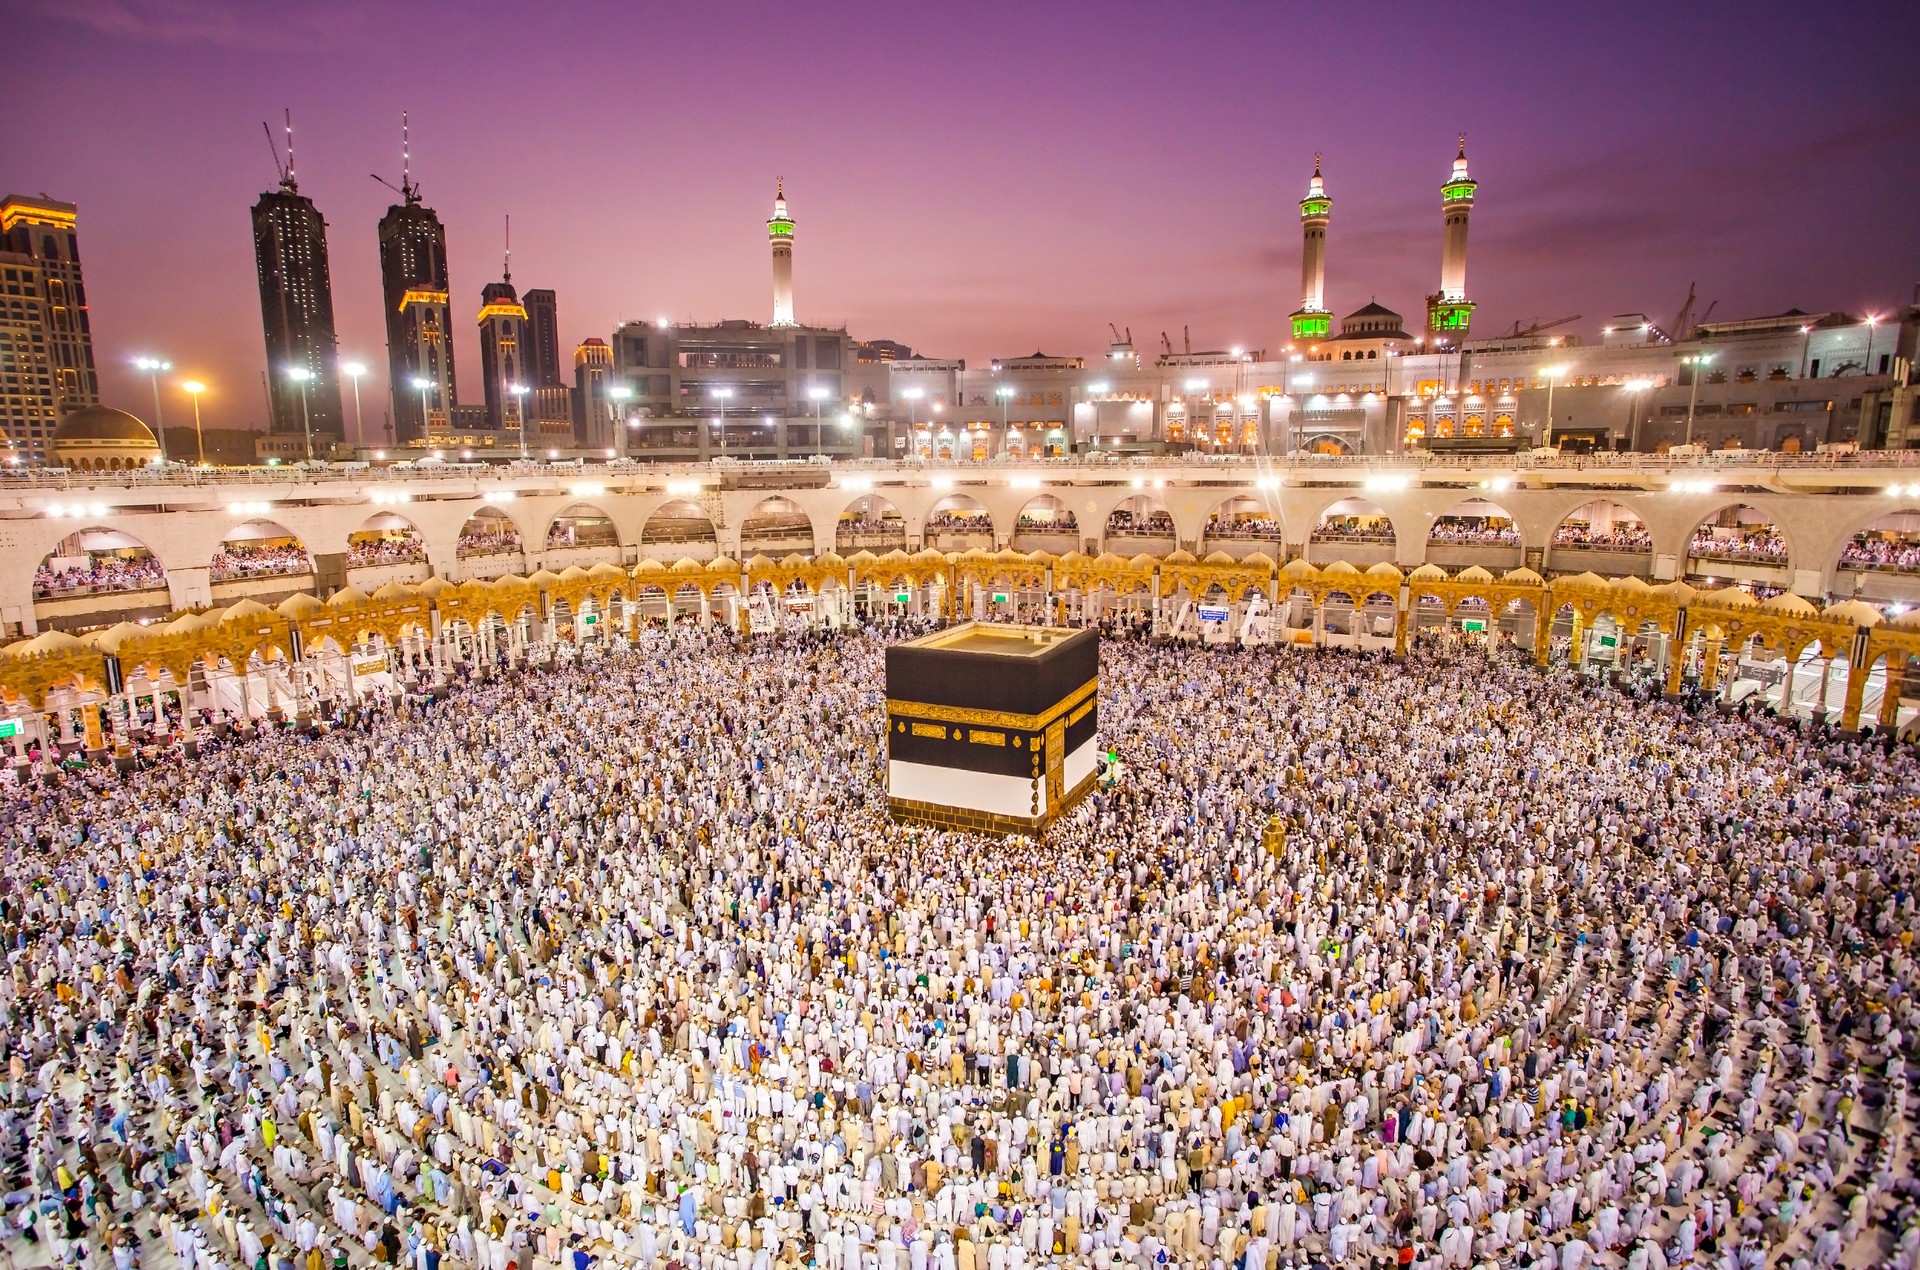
(992, 718)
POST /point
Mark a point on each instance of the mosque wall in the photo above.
(1816, 509)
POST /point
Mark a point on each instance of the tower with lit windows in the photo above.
(1312, 321)
(504, 353)
(44, 231)
(296, 311)
(780, 238)
(1449, 310)
(413, 276)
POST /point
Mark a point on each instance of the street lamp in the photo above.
(1634, 387)
(720, 414)
(423, 383)
(193, 388)
(519, 392)
(1005, 393)
(153, 366)
(353, 371)
(300, 375)
(1552, 373)
(1806, 346)
(618, 415)
(1699, 363)
(818, 394)
(1873, 320)
(913, 396)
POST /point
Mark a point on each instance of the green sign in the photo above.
(1473, 624)
(999, 597)
(902, 597)
(1609, 641)
(590, 619)
(9, 727)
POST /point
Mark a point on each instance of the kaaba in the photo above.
(992, 728)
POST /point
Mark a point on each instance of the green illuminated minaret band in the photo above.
(1448, 310)
(780, 238)
(1312, 321)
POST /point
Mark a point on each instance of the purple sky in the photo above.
(976, 180)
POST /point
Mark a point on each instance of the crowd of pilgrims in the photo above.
(252, 560)
(1759, 544)
(1874, 551)
(100, 573)
(399, 549)
(1445, 963)
(1628, 536)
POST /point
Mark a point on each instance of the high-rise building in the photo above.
(592, 376)
(44, 230)
(1448, 309)
(503, 351)
(413, 276)
(543, 338)
(28, 408)
(780, 238)
(296, 312)
(1311, 321)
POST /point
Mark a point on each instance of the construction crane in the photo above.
(282, 170)
(1678, 331)
(1116, 334)
(1166, 345)
(407, 190)
(1537, 328)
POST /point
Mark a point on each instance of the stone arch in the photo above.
(1760, 541)
(1045, 513)
(871, 522)
(1888, 539)
(1476, 521)
(386, 537)
(582, 523)
(259, 548)
(1136, 515)
(675, 521)
(1603, 523)
(775, 526)
(1354, 520)
(1243, 517)
(96, 559)
(956, 521)
(489, 531)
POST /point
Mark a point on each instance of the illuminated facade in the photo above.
(503, 353)
(741, 389)
(414, 284)
(29, 409)
(46, 231)
(593, 416)
(296, 312)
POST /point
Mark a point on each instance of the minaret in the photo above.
(1312, 321)
(1449, 310)
(780, 238)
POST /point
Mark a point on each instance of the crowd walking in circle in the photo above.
(1446, 963)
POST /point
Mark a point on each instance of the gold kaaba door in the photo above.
(1056, 764)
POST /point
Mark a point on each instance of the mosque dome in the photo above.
(100, 438)
(103, 423)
